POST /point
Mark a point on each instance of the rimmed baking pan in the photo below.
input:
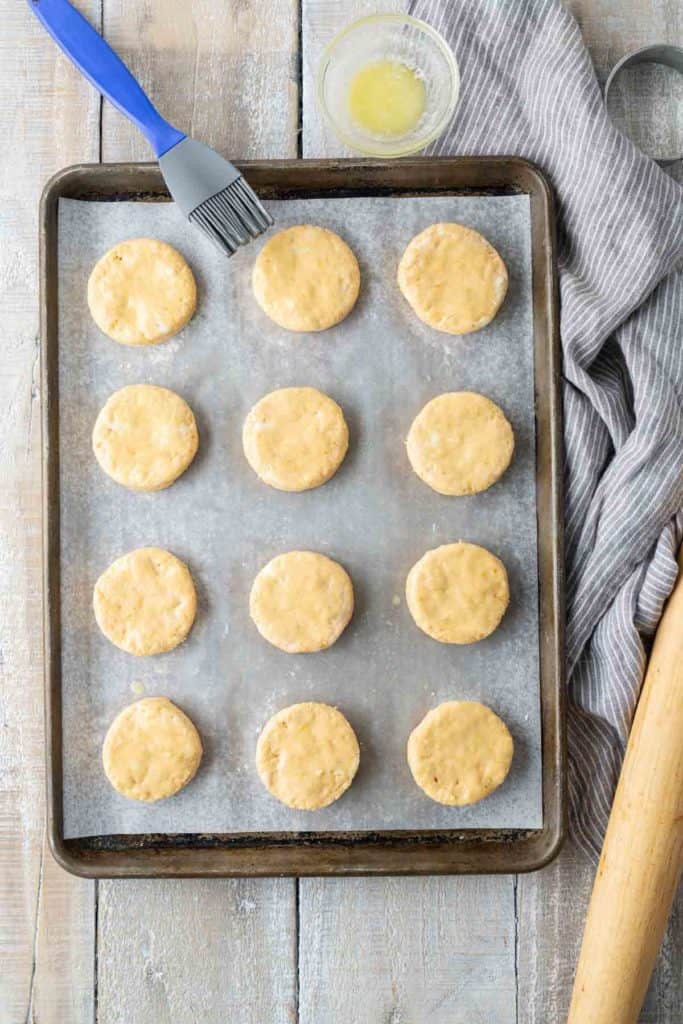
(389, 851)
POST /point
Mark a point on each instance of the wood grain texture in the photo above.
(320, 22)
(612, 29)
(196, 951)
(551, 907)
(551, 913)
(645, 102)
(226, 73)
(64, 979)
(48, 118)
(407, 951)
(642, 857)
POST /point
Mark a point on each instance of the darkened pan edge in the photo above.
(349, 853)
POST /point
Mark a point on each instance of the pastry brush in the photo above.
(209, 190)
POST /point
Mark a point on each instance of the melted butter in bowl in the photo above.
(388, 85)
(387, 98)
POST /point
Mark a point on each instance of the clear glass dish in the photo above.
(392, 37)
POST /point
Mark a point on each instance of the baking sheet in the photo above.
(374, 516)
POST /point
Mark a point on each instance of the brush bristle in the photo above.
(232, 217)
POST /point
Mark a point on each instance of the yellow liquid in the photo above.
(387, 98)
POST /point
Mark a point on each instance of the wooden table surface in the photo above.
(483, 950)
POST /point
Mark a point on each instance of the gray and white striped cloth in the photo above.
(528, 88)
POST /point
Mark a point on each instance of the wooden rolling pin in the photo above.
(642, 857)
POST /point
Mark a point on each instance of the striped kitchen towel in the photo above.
(528, 88)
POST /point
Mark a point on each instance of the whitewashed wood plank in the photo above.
(320, 22)
(203, 950)
(407, 950)
(64, 984)
(612, 28)
(49, 117)
(196, 952)
(645, 102)
(226, 73)
(551, 908)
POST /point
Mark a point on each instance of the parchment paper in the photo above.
(375, 517)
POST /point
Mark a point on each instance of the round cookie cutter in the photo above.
(668, 55)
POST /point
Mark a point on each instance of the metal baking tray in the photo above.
(317, 853)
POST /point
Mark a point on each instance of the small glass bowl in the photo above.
(394, 37)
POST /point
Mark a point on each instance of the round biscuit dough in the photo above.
(460, 752)
(460, 443)
(453, 278)
(307, 755)
(151, 750)
(295, 438)
(145, 437)
(141, 292)
(306, 278)
(458, 593)
(301, 601)
(145, 602)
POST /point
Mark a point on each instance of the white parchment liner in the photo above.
(375, 517)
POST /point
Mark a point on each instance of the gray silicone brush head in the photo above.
(212, 194)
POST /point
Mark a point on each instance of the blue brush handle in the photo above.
(107, 72)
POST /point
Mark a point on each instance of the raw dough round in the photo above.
(458, 593)
(453, 278)
(145, 602)
(307, 755)
(460, 752)
(295, 438)
(151, 750)
(306, 278)
(460, 443)
(301, 601)
(145, 437)
(141, 292)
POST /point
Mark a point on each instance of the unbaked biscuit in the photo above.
(151, 750)
(145, 602)
(453, 278)
(295, 438)
(301, 601)
(306, 278)
(458, 593)
(307, 755)
(460, 752)
(141, 292)
(145, 437)
(460, 443)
